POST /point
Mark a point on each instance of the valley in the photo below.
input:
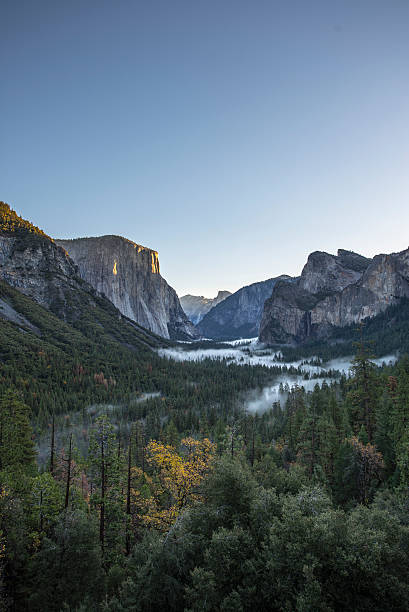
(131, 435)
(304, 373)
(204, 306)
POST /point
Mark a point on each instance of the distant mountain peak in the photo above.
(197, 306)
(239, 315)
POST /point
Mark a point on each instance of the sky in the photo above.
(234, 137)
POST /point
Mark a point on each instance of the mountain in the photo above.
(239, 315)
(128, 275)
(31, 262)
(61, 344)
(196, 306)
(334, 291)
(34, 264)
(57, 366)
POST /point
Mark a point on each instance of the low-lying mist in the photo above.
(249, 352)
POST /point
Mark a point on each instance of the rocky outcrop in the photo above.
(196, 306)
(333, 291)
(239, 315)
(31, 262)
(128, 275)
(324, 273)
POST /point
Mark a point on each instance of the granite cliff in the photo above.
(239, 315)
(196, 306)
(333, 291)
(128, 275)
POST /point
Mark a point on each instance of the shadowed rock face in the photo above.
(197, 306)
(31, 262)
(128, 275)
(239, 315)
(333, 291)
(324, 273)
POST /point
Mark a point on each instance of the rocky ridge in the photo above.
(196, 306)
(31, 262)
(333, 291)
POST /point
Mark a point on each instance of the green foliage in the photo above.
(364, 392)
(230, 489)
(17, 453)
(46, 502)
(67, 567)
(12, 224)
(277, 552)
(105, 474)
(304, 509)
(16, 543)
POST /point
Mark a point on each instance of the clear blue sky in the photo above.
(232, 136)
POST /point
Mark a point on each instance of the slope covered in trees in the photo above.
(303, 507)
(154, 489)
(12, 224)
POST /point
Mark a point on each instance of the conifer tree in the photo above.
(104, 463)
(308, 439)
(17, 453)
(364, 390)
(295, 410)
(52, 446)
(68, 460)
(383, 435)
(328, 444)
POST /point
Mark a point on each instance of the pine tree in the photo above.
(328, 445)
(52, 446)
(308, 439)
(17, 453)
(105, 464)
(295, 411)
(364, 390)
(383, 434)
(68, 460)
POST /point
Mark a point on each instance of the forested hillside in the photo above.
(386, 333)
(133, 482)
(206, 507)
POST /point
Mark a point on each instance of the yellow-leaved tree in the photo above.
(174, 483)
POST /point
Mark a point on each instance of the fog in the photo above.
(250, 352)
(259, 401)
(244, 352)
(79, 423)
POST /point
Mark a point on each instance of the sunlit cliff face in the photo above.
(154, 257)
(155, 263)
(154, 260)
